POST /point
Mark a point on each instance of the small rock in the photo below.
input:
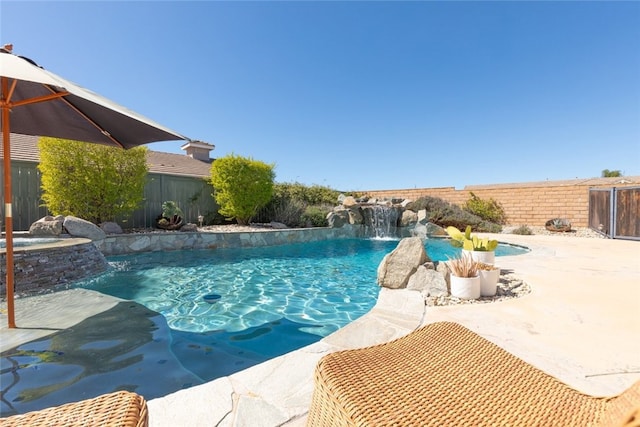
(189, 227)
(278, 225)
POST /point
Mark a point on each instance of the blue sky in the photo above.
(364, 95)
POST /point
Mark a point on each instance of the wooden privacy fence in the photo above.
(26, 200)
(615, 212)
(193, 195)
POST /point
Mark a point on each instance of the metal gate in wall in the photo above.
(615, 212)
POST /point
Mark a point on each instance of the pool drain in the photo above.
(211, 298)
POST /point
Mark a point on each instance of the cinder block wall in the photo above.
(532, 203)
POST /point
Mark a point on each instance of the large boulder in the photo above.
(355, 216)
(82, 228)
(429, 230)
(443, 268)
(422, 217)
(419, 230)
(435, 230)
(337, 219)
(111, 228)
(400, 264)
(349, 201)
(47, 226)
(408, 218)
(428, 281)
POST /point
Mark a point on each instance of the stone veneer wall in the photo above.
(531, 203)
(40, 268)
(149, 242)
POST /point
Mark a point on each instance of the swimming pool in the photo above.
(324, 284)
(273, 300)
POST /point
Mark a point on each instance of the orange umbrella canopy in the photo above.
(37, 102)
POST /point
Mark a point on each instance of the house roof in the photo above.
(25, 148)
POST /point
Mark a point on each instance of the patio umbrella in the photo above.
(37, 102)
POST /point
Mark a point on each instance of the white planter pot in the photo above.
(489, 282)
(465, 287)
(486, 257)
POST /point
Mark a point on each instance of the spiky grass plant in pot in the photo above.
(464, 279)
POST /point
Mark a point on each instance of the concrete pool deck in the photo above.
(580, 323)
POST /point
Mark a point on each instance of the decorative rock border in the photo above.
(166, 241)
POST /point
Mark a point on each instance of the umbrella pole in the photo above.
(6, 145)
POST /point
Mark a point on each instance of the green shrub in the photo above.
(241, 186)
(522, 230)
(445, 214)
(91, 181)
(311, 195)
(284, 210)
(428, 203)
(291, 201)
(214, 218)
(488, 227)
(489, 210)
(316, 216)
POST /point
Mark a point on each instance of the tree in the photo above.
(91, 181)
(611, 174)
(241, 186)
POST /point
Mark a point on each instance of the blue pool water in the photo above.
(193, 316)
(323, 284)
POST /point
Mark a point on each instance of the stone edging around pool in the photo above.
(150, 242)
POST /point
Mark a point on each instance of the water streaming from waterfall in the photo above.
(381, 222)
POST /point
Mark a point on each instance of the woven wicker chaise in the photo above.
(446, 375)
(119, 409)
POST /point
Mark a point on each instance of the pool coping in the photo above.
(63, 242)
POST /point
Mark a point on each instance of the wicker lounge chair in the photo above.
(445, 375)
(119, 409)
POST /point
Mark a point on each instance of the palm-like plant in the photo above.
(171, 218)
